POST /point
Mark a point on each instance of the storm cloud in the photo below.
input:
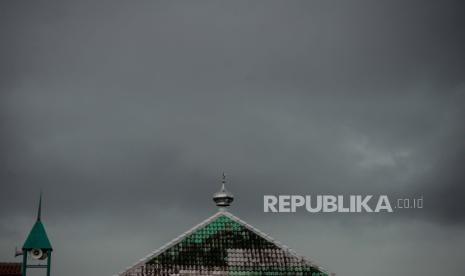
(126, 113)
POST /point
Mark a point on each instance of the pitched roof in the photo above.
(37, 238)
(10, 269)
(223, 245)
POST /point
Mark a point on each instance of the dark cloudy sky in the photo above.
(126, 113)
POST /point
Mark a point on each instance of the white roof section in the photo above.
(221, 212)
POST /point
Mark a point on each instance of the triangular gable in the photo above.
(223, 245)
(37, 238)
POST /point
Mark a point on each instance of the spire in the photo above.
(223, 181)
(223, 198)
(39, 211)
(37, 237)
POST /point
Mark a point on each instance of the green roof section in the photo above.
(232, 248)
(38, 238)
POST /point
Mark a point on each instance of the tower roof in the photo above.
(37, 237)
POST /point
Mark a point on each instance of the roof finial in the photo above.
(223, 182)
(223, 198)
(39, 211)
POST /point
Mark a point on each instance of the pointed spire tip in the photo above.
(39, 211)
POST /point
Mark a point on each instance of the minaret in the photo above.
(37, 245)
(223, 198)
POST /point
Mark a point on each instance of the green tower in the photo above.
(37, 246)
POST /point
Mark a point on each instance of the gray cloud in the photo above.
(126, 115)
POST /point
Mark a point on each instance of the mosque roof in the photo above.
(223, 244)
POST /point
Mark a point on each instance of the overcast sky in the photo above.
(126, 113)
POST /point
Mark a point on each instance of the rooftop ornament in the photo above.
(223, 198)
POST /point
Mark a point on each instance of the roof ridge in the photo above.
(174, 241)
(273, 241)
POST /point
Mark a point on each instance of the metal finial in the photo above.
(39, 211)
(223, 198)
(223, 181)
